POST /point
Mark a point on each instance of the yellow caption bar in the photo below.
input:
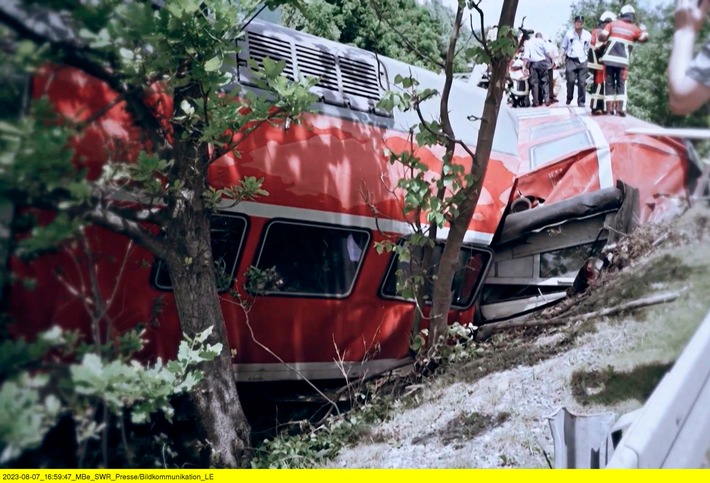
(353, 476)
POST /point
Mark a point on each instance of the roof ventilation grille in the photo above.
(316, 63)
(359, 78)
(261, 46)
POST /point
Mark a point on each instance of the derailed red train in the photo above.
(333, 308)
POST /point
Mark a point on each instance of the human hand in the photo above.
(690, 14)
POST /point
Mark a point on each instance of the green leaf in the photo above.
(181, 8)
(88, 378)
(213, 64)
(126, 54)
(174, 366)
(202, 336)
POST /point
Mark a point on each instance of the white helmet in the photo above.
(627, 9)
(607, 16)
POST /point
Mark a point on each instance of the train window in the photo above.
(556, 128)
(472, 266)
(14, 97)
(565, 262)
(227, 236)
(544, 153)
(309, 259)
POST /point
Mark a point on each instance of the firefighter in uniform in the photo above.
(596, 51)
(520, 89)
(621, 35)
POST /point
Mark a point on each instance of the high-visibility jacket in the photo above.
(623, 36)
(520, 88)
(596, 50)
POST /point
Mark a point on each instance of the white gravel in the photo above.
(529, 394)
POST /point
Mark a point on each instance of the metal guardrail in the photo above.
(673, 428)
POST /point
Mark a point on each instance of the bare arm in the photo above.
(643, 36)
(604, 34)
(685, 94)
(563, 49)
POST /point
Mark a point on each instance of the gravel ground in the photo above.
(529, 394)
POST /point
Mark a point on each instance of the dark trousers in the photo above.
(539, 82)
(576, 73)
(615, 85)
(520, 94)
(598, 91)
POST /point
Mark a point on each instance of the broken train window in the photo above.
(298, 258)
(227, 236)
(471, 268)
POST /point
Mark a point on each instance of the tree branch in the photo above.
(460, 142)
(449, 73)
(289, 366)
(244, 134)
(74, 54)
(154, 216)
(483, 41)
(108, 219)
(103, 110)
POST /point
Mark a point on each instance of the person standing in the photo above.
(538, 55)
(621, 35)
(520, 88)
(596, 51)
(688, 78)
(575, 46)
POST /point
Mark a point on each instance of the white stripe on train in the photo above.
(265, 210)
(606, 175)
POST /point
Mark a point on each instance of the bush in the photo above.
(99, 388)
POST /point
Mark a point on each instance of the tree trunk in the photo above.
(218, 410)
(437, 325)
(219, 414)
(441, 302)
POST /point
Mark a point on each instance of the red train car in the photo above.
(577, 172)
(332, 195)
(329, 307)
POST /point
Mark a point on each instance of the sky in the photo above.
(546, 16)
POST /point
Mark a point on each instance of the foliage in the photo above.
(170, 66)
(378, 26)
(313, 446)
(31, 403)
(459, 348)
(433, 200)
(149, 45)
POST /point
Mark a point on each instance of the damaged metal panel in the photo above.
(518, 224)
(536, 270)
(581, 441)
(544, 250)
(524, 305)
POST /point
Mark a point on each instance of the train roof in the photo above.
(353, 80)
